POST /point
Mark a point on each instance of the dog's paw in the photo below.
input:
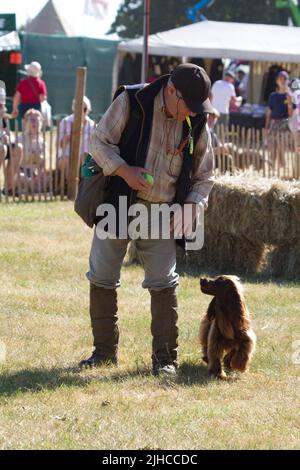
(239, 362)
(227, 362)
(220, 375)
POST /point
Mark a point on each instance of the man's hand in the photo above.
(183, 219)
(133, 175)
(14, 114)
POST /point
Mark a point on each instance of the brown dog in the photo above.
(226, 327)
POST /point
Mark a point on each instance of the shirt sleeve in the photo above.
(108, 133)
(19, 86)
(233, 92)
(203, 177)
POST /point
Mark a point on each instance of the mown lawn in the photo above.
(46, 403)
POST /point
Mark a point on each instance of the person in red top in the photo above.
(30, 91)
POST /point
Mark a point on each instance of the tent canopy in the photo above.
(10, 42)
(215, 39)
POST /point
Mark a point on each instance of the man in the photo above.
(10, 151)
(242, 85)
(142, 132)
(3, 130)
(223, 95)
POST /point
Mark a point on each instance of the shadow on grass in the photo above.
(36, 380)
(191, 374)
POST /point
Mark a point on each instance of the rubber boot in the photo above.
(104, 322)
(164, 330)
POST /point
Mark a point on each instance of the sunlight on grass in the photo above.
(47, 403)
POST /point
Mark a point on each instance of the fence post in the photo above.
(76, 134)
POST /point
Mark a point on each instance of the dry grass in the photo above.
(45, 402)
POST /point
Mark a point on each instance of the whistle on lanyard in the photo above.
(191, 139)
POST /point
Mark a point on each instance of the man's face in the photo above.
(176, 105)
(229, 78)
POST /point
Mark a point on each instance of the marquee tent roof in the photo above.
(215, 39)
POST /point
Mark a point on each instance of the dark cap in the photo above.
(194, 84)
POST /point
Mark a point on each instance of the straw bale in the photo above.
(260, 209)
(229, 254)
(285, 261)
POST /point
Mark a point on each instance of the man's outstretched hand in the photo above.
(133, 175)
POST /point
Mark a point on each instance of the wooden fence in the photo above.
(37, 169)
(43, 175)
(239, 149)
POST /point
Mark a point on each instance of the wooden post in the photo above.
(76, 134)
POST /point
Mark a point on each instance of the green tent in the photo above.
(59, 57)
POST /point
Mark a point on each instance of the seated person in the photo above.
(65, 135)
(9, 151)
(33, 145)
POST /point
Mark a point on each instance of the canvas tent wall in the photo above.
(59, 57)
(214, 39)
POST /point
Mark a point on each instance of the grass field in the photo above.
(46, 403)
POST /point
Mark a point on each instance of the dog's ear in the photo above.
(211, 311)
(234, 306)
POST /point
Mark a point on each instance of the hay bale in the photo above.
(229, 254)
(247, 218)
(285, 261)
(260, 209)
(237, 206)
(283, 224)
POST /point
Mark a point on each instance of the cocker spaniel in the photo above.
(226, 327)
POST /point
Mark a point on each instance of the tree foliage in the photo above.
(170, 14)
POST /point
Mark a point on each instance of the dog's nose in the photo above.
(203, 281)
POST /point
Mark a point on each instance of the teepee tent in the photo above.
(51, 20)
(73, 19)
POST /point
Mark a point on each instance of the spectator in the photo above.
(65, 135)
(280, 109)
(212, 120)
(242, 85)
(223, 95)
(8, 150)
(30, 91)
(3, 143)
(33, 145)
(33, 149)
(222, 155)
(294, 121)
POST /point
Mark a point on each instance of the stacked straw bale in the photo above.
(252, 225)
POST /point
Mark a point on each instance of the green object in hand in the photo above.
(148, 178)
